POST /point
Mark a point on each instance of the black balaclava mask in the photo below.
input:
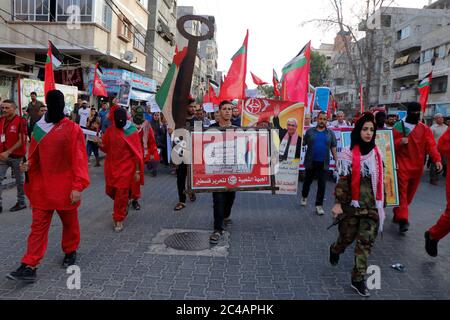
(120, 118)
(55, 106)
(365, 147)
(380, 119)
(413, 116)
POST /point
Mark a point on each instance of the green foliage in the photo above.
(320, 71)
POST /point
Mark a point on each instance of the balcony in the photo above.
(406, 71)
(408, 43)
(403, 96)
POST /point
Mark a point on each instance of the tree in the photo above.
(360, 51)
(320, 71)
(267, 91)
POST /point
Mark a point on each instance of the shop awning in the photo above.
(141, 95)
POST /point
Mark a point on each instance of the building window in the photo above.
(441, 51)
(439, 85)
(386, 66)
(427, 55)
(158, 63)
(404, 33)
(139, 41)
(386, 21)
(124, 28)
(86, 9)
(385, 90)
(32, 10)
(106, 15)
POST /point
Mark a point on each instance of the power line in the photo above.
(81, 46)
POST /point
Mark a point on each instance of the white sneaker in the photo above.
(303, 202)
(320, 211)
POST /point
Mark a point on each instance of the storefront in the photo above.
(142, 88)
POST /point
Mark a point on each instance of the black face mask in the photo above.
(120, 118)
(413, 118)
(55, 106)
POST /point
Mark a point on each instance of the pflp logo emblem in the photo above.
(232, 180)
(253, 106)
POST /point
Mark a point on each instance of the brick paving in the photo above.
(277, 250)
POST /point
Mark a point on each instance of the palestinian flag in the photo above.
(234, 85)
(129, 128)
(295, 78)
(54, 59)
(41, 129)
(424, 91)
(164, 97)
(99, 88)
(276, 83)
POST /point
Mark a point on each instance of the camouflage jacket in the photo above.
(344, 195)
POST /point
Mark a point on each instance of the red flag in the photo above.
(234, 84)
(424, 91)
(361, 98)
(99, 88)
(295, 79)
(211, 96)
(49, 81)
(276, 83)
(257, 80)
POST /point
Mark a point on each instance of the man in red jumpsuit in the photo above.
(413, 141)
(124, 163)
(442, 227)
(57, 174)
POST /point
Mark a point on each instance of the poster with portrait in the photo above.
(124, 94)
(29, 85)
(287, 117)
(385, 142)
(230, 160)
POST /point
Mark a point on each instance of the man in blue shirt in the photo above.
(105, 123)
(320, 141)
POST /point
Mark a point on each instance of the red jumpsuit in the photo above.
(442, 228)
(123, 158)
(410, 164)
(152, 150)
(58, 165)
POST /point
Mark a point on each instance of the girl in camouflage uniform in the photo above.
(359, 198)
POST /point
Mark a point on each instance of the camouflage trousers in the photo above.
(360, 225)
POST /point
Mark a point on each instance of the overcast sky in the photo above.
(276, 28)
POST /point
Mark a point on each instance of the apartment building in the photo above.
(111, 32)
(162, 28)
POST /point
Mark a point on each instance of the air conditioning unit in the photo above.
(128, 56)
(159, 28)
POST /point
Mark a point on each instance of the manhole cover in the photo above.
(188, 241)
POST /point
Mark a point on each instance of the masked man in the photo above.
(124, 163)
(57, 174)
(413, 141)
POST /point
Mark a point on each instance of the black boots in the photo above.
(24, 273)
(334, 258)
(360, 288)
(69, 259)
(431, 246)
(403, 226)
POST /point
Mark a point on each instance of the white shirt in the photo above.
(438, 131)
(84, 115)
(337, 124)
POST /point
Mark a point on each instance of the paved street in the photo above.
(277, 250)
